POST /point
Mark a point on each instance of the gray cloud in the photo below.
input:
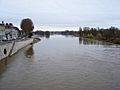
(80, 12)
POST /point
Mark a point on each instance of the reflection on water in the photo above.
(2, 66)
(47, 36)
(61, 63)
(29, 52)
(85, 41)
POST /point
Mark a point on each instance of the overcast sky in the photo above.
(103, 13)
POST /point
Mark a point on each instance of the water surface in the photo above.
(64, 63)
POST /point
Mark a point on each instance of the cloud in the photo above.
(83, 12)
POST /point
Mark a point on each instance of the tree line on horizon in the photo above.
(111, 34)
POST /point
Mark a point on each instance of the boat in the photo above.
(11, 40)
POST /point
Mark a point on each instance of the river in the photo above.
(63, 63)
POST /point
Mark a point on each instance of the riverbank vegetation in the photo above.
(42, 33)
(111, 34)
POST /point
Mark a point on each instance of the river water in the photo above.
(63, 63)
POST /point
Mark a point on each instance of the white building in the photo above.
(8, 32)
